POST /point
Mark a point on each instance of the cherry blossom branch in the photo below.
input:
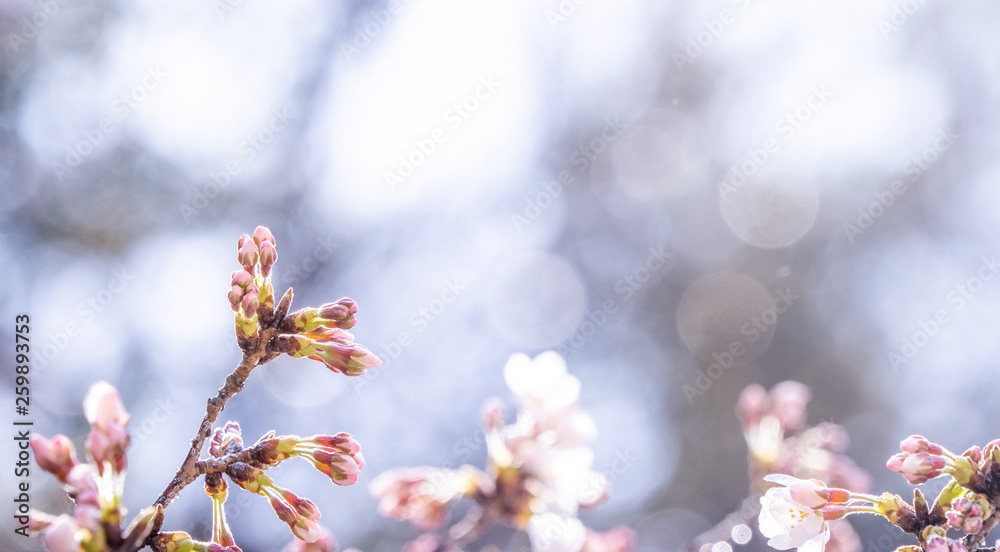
(188, 472)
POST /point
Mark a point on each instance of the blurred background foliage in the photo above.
(633, 183)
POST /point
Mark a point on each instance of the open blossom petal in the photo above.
(788, 523)
(61, 535)
(542, 386)
(551, 532)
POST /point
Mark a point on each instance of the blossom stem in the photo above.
(188, 472)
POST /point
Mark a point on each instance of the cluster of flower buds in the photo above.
(967, 514)
(337, 456)
(299, 513)
(96, 486)
(316, 333)
(921, 460)
(251, 294)
(538, 476)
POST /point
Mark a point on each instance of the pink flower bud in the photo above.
(283, 510)
(61, 535)
(936, 543)
(82, 485)
(492, 414)
(246, 253)
(895, 462)
(306, 530)
(303, 506)
(268, 256)
(262, 234)
(340, 314)
(974, 453)
(751, 405)
(918, 468)
(918, 443)
(342, 442)
(103, 406)
(235, 296)
(249, 304)
(226, 440)
(342, 469)
(972, 525)
(961, 505)
(242, 278)
(789, 404)
(55, 455)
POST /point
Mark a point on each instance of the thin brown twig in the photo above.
(188, 472)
